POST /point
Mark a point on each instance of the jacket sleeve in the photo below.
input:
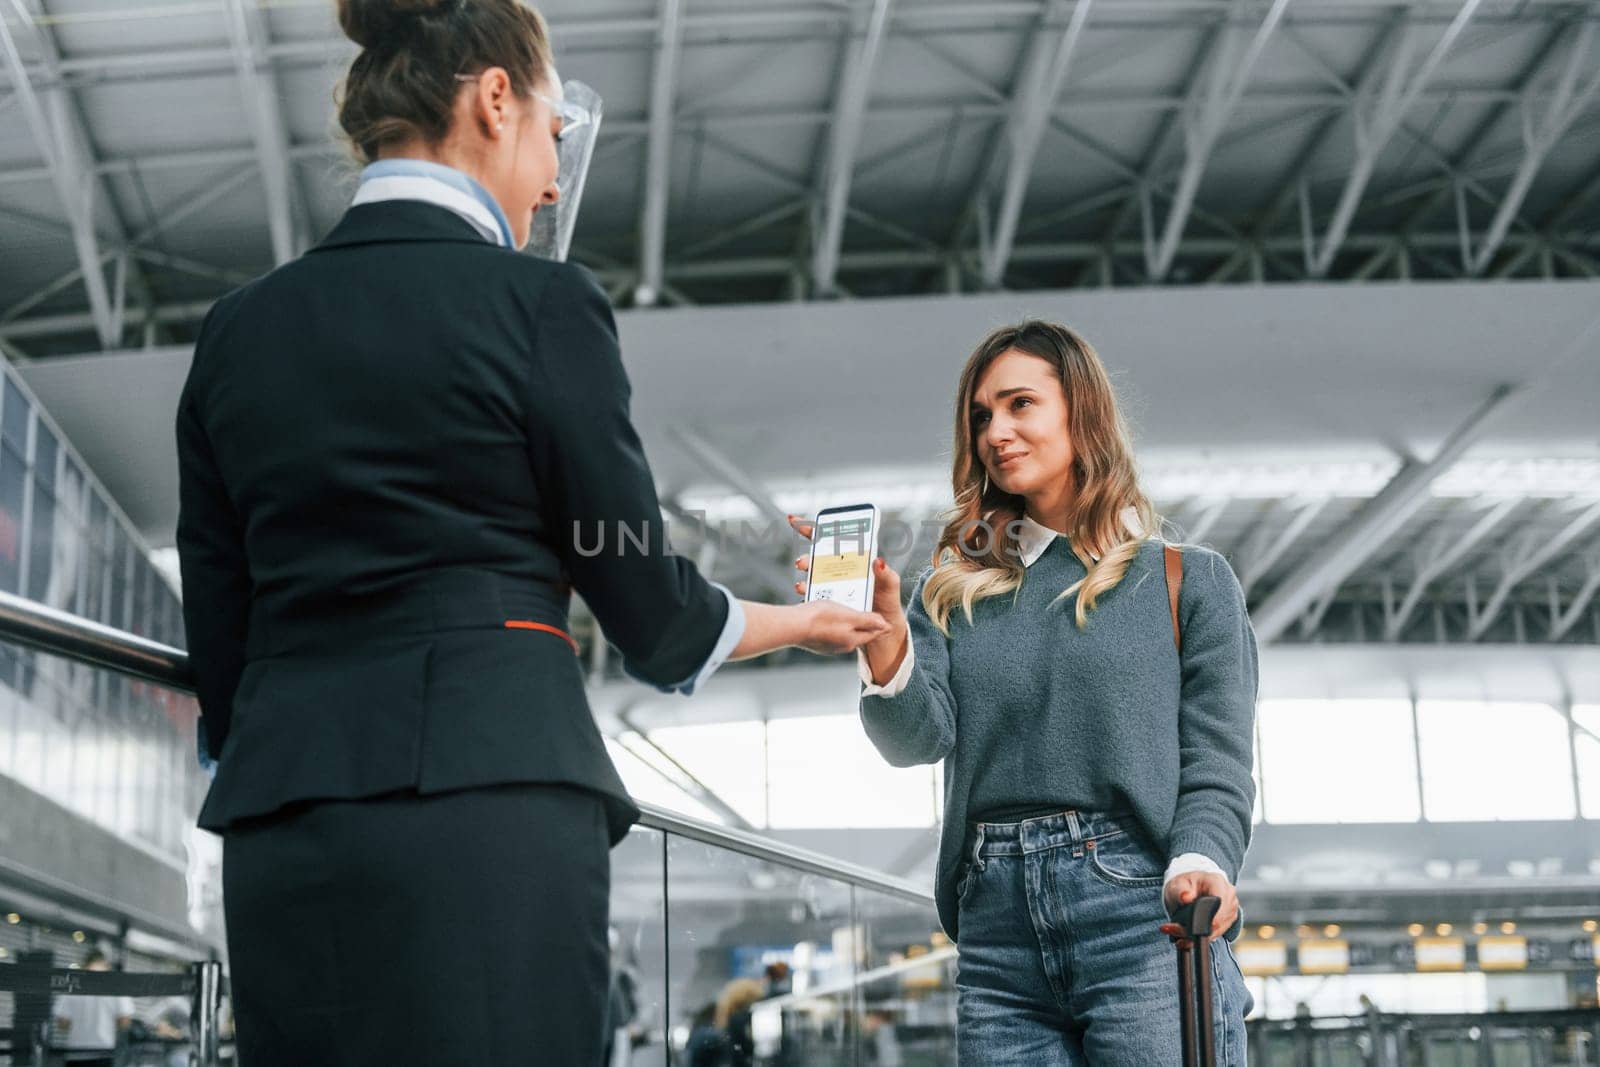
(732, 631)
(665, 618)
(215, 574)
(918, 723)
(1216, 715)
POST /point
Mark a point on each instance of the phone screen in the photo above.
(843, 546)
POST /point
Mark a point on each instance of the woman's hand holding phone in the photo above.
(886, 646)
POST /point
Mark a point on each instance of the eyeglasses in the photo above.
(572, 116)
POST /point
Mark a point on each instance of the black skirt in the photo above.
(457, 928)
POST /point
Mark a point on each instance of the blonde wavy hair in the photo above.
(977, 554)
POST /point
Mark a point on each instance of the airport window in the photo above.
(42, 529)
(823, 772)
(650, 786)
(72, 538)
(119, 579)
(101, 767)
(139, 582)
(1256, 814)
(1587, 739)
(94, 561)
(1310, 748)
(46, 453)
(799, 772)
(14, 418)
(1336, 994)
(1486, 761)
(13, 495)
(110, 749)
(729, 757)
(8, 729)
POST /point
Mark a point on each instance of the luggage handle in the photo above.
(1197, 916)
(1194, 980)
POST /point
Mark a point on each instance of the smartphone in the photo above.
(844, 542)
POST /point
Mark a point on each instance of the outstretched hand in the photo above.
(832, 627)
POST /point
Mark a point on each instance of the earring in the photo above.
(500, 127)
(985, 490)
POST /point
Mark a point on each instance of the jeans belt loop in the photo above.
(1077, 830)
(977, 850)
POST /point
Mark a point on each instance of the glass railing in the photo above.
(728, 947)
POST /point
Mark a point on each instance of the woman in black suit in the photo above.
(398, 455)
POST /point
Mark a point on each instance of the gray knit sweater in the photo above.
(1029, 712)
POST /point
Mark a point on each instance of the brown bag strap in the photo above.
(1174, 582)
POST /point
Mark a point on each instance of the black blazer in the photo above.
(384, 448)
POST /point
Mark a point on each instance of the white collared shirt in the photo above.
(428, 190)
(1032, 539)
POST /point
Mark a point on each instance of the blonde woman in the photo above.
(1094, 775)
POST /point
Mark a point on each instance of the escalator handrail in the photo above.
(61, 633)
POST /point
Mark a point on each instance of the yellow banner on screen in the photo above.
(851, 566)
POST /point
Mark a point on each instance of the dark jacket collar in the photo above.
(399, 220)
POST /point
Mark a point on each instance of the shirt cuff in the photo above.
(894, 686)
(208, 762)
(1189, 863)
(732, 631)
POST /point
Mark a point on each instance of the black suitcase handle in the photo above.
(1194, 980)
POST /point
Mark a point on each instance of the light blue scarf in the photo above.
(459, 180)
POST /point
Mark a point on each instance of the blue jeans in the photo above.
(1063, 962)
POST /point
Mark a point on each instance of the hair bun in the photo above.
(371, 23)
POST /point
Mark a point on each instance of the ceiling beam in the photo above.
(1048, 62)
(1536, 552)
(1522, 87)
(1563, 621)
(188, 205)
(999, 104)
(1136, 198)
(1211, 512)
(1377, 521)
(118, 248)
(799, 187)
(620, 132)
(1396, 96)
(1438, 558)
(1201, 128)
(1552, 224)
(75, 171)
(1539, 137)
(630, 35)
(1262, 558)
(66, 155)
(658, 156)
(80, 322)
(762, 220)
(849, 116)
(729, 472)
(899, 258)
(775, 581)
(250, 37)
